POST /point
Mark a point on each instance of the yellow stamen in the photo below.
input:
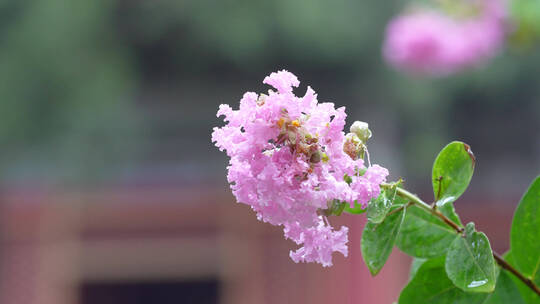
(324, 158)
(295, 123)
(280, 122)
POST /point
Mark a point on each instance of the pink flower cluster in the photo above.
(428, 41)
(287, 162)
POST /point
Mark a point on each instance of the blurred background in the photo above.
(112, 192)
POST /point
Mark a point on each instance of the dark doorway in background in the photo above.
(159, 292)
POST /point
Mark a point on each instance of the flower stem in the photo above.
(502, 263)
(417, 201)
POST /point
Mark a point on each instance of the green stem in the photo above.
(502, 263)
(417, 201)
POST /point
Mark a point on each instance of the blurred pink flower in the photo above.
(428, 41)
(287, 162)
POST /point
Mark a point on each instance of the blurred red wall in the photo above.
(53, 243)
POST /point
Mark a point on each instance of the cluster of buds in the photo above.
(355, 141)
(294, 135)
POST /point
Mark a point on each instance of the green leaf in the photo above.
(416, 263)
(431, 285)
(505, 292)
(525, 233)
(335, 207)
(425, 236)
(469, 262)
(379, 239)
(452, 172)
(357, 209)
(378, 207)
(529, 296)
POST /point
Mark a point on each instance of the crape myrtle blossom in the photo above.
(432, 41)
(287, 161)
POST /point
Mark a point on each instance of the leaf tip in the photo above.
(373, 272)
(470, 153)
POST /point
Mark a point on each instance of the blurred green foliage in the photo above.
(80, 82)
(526, 14)
(64, 89)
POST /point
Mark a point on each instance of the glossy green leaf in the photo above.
(379, 239)
(469, 262)
(431, 285)
(529, 296)
(379, 207)
(505, 292)
(416, 263)
(357, 209)
(525, 233)
(452, 172)
(424, 235)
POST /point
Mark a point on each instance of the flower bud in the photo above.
(353, 146)
(315, 157)
(361, 129)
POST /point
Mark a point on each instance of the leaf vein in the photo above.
(474, 260)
